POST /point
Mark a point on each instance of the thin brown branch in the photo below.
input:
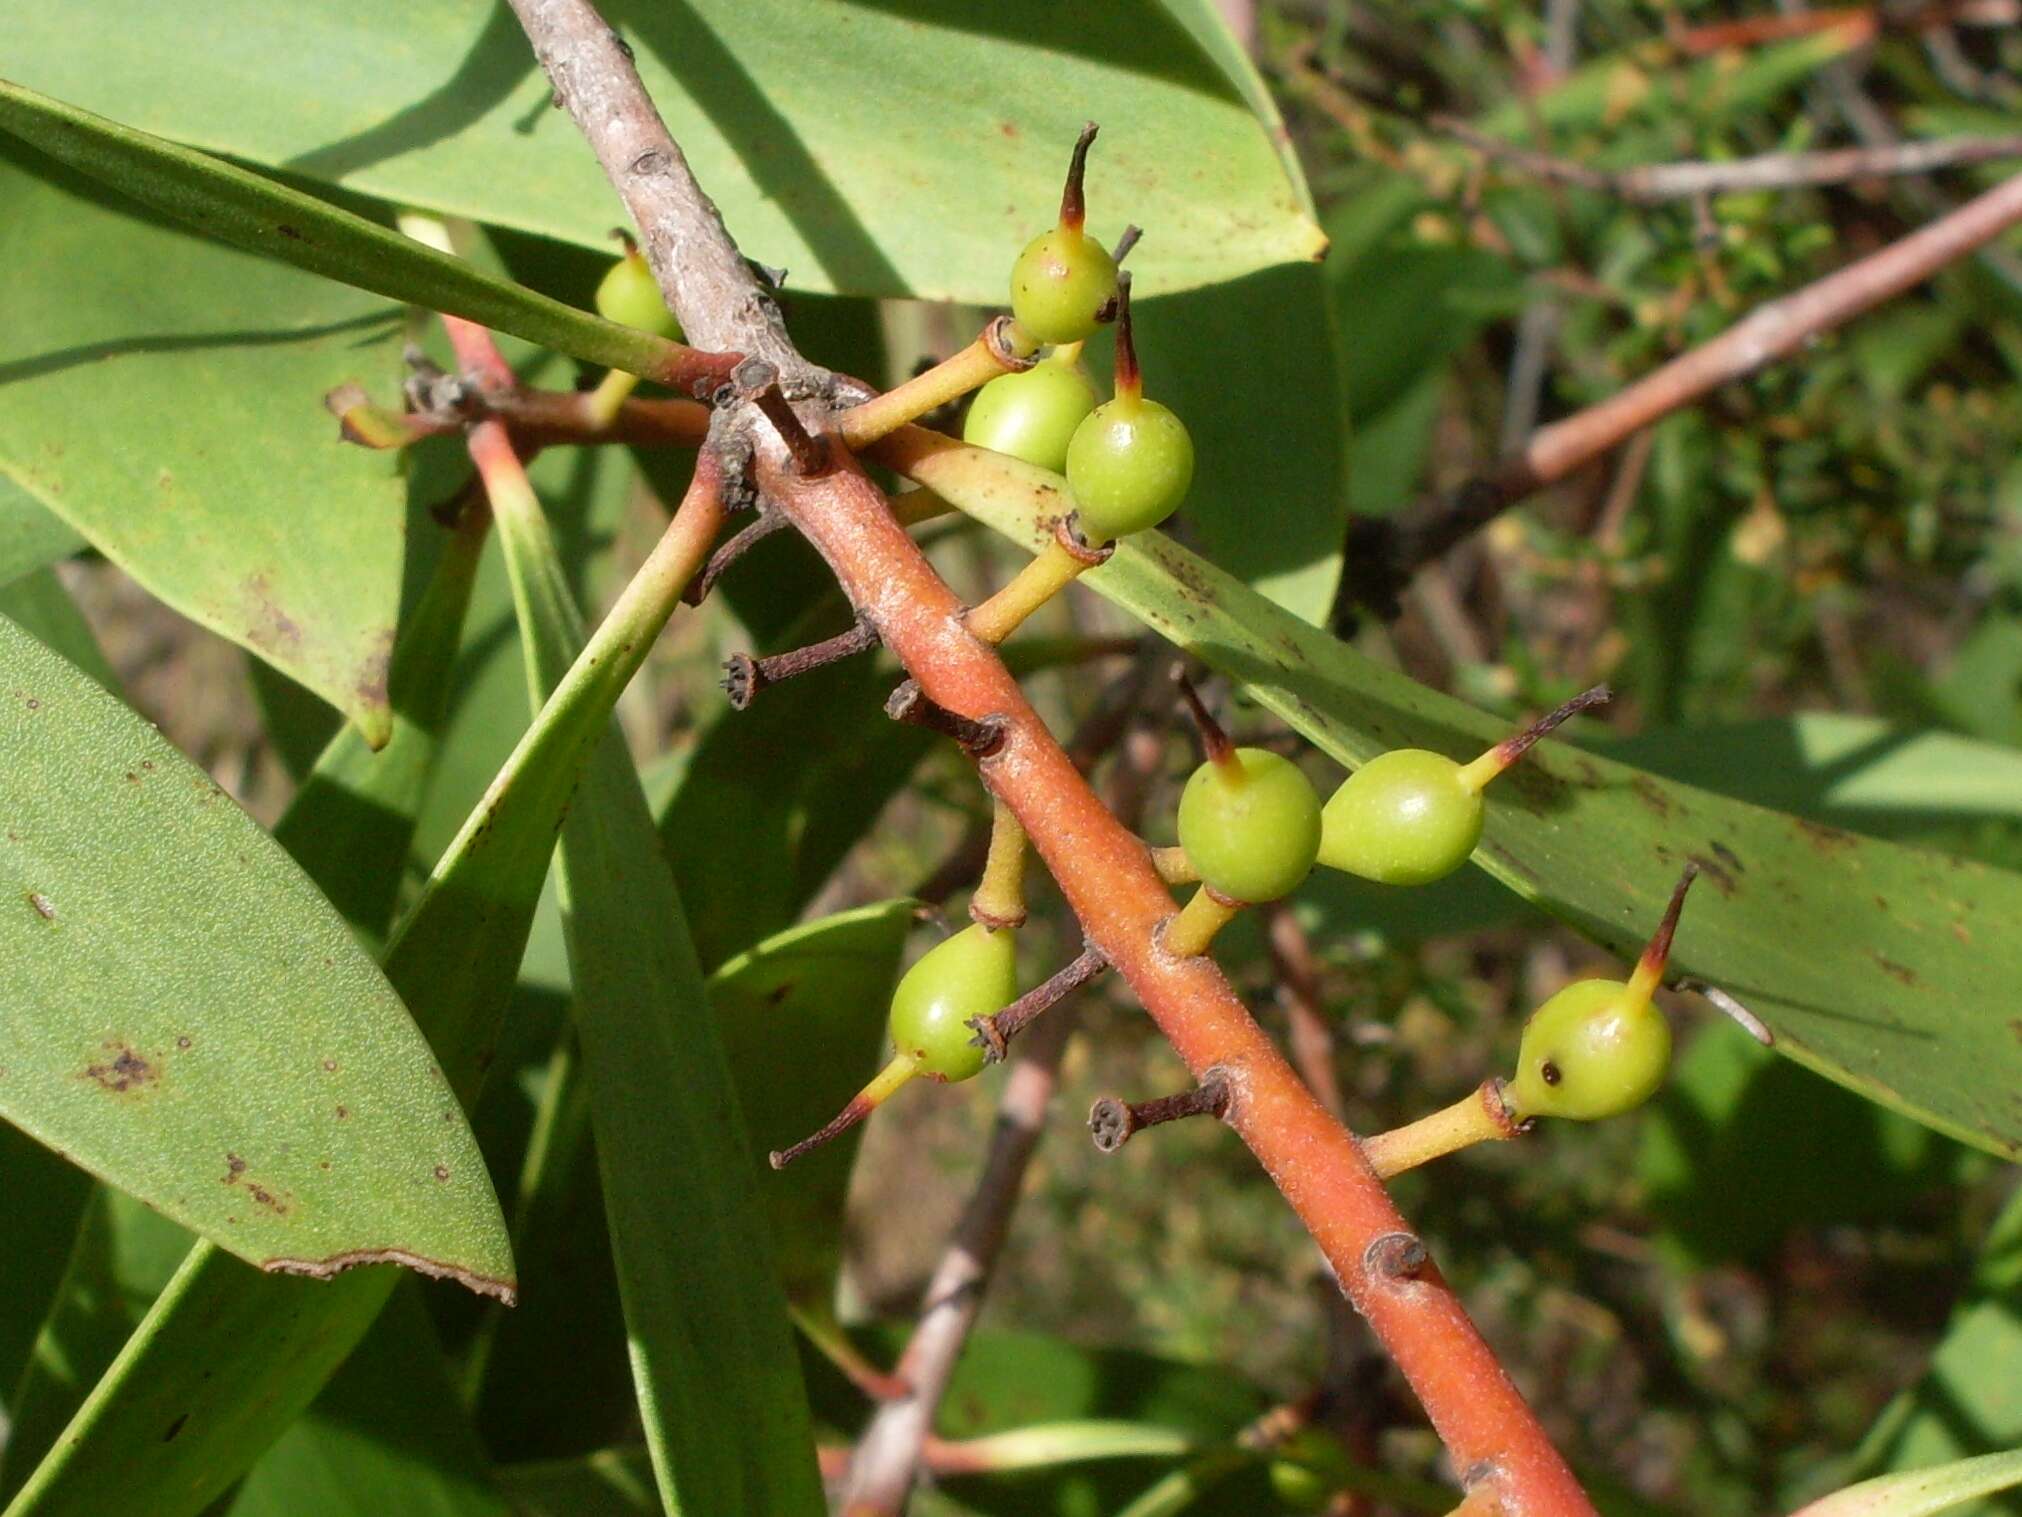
(711, 289)
(1382, 554)
(1652, 184)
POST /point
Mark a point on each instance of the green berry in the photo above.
(1060, 284)
(630, 296)
(972, 974)
(1596, 1049)
(1406, 817)
(1128, 467)
(1031, 416)
(1250, 826)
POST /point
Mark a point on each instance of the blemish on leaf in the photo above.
(1652, 795)
(125, 1071)
(442, 1171)
(43, 907)
(343, 1112)
(1901, 973)
(1728, 857)
(174, 1428)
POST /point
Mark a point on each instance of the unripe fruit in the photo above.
(1250, 824)
(1596, 1049)
(1406, 817)
(1031, 416)
(1128, 467)
(972, 974)
(630, 296)
(1061, 283)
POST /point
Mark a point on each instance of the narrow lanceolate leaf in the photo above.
(161, 401)
(31, 536)
(1922, 1493)
(718, 1383)
(1883, 967)
(226, 202)
(185, 1017)
(387, 1435)
(948, 160)
(228, 1358)
(823, 989)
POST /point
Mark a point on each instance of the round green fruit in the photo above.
(972, 974)
(1060, 284)
(1031, 416)
(630, 297)
(1128, 467)
(1405, 818)
(1594, 1050)
(1251, 827)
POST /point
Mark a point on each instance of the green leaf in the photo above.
(1921, 1493)
(1969, 1400)
(1880, 966)
(1268, 503)
(761, 817)
(188, 1019)
(31, 536)
(821, 989)
(38, 604)
(387, 1435)
(241, 208)
(223, 493)
(230, 1357)
(948, 160)
(718, 1383)
(608, 1483)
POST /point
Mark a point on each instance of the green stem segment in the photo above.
(999, 900)
(1192, 932)
(1478, 1117)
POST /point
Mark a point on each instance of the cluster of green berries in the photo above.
(1129, 460)
(1251, 827)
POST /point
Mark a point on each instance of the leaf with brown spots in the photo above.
(1884, 967)
(187, 997)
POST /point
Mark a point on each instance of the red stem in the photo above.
(1108, 881)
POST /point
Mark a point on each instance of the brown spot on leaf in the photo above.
(1728, 857)
(343, 1112)
(174, 1428)
(1652, 795)
(234, 1167)
(1717, 873)
(1827, 840)
(2015, 1026)
(125, 1071)
(42, 905)
(182, 1042)
(1901, 973)
(442, 1171)
(330, 1066)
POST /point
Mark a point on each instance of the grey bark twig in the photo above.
(1656, 183)
(1383, 553)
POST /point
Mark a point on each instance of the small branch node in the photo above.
(810, 456)
(1395, 1258)
(994, 1033)
(979, 737)
(1010, 344)
(1132, 235)
(1111, 1121)
(1067, 533)
(744, 676)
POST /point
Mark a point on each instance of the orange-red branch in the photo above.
(1107, 878)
